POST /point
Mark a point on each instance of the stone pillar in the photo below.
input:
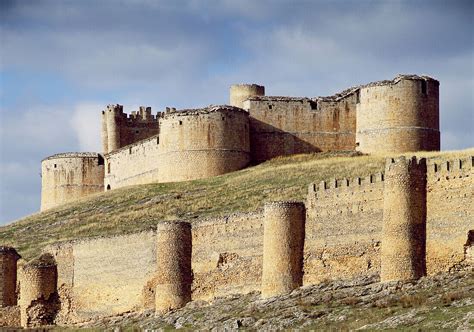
(8, 268)
(174, 275)
(38, 292)
(283, 241)
(403, 252)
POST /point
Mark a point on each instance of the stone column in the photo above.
(38, 292)
(174, 275)
(403, 252)
(283, 242)
(8, 269)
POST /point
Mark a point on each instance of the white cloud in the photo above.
(86, 123)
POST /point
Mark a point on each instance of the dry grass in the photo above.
(140, 207)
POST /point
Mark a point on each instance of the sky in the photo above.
(63, 61)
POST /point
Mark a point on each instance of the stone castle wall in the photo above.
(120, 129)
(343, 239)
(285, 126)
(67, 177)
(192, 144)
(399, 116)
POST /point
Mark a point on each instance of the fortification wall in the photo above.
(227, 255)
(399, 116)
(67, 177)
(343, 228)
(104, 276)
(344, 222)
(120, 129)
(193, 144)
(450, 211)
(285, 126)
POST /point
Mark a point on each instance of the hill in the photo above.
(135, 208)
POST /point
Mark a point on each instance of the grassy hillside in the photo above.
(136, 208)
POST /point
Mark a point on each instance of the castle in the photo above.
(413, 219)
(393, 116)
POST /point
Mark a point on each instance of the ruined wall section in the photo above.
(287, 125)
(120, 129)
(399, 116)
(343, 228)
(8, 276)
(66, 177)
(227, 255)
(192, 144)
(450, 212)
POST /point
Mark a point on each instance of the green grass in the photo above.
(140, 207)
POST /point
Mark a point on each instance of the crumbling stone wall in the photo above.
(403, 255)
(39, 301)
(283, 240)
(8, 276)
(399, 116)
(120, 129)
(227, 255)
(66, 177)
(192, 144)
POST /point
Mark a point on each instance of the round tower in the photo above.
(283, 240)
(174, 275)
(8, 272)
(38, 292)
(113, 117)
(398, 116)
(201, 143)
(66, 177)
(403, 251)
(241, 92)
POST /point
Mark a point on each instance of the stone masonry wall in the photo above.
(192, 144)
(285, 126)
(450, 212)
(399, 116)
(343, 228)
(343, 235)
(67, 177)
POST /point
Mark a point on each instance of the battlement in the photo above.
(403, 164)
(357, 183)
(451, 166)
(200, 111)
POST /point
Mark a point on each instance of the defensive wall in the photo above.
(392, 116)
(192, 144)
(120, 129)
(66, 177)
(343, 233)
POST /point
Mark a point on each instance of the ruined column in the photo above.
(403, 252)
(283, 241)
(38, 292)
(8, 268)
(174, 275)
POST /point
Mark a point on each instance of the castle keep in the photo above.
(393, 116)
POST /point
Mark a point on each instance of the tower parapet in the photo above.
(401, 115)
(403, 252)
(241, 92)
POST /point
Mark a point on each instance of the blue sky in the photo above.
(61, 62)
